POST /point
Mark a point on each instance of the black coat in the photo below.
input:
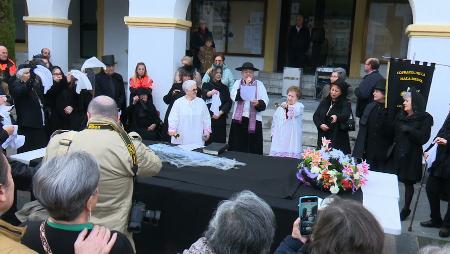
(218, 126)
(337, 134)
(298, 42)
(364, 91)
(28, 101)
(441, 165)
(170, 98)
(141, 115)
(411, 132)
(375, 136)
(291, 245)
(112, 86)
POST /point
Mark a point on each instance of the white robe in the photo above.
(287, 133)
(191, 120)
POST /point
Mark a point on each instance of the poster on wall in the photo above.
(402, 74)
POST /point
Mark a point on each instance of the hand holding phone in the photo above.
(308, 207)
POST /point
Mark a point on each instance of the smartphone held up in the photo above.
(308, 207)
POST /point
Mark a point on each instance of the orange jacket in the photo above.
(144, 82)
(11, 65)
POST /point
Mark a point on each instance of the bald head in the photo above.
(103, 106)
(3, 53)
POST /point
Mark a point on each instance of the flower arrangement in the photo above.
(330, 169)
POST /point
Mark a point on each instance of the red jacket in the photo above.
(144, 82)
(9, 66)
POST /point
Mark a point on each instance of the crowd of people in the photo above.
(390, 140)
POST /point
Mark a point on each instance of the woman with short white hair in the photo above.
(189, 119)
(244, 224)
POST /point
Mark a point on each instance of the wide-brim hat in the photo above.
(380, 85)
(108, 60)
(247, 66)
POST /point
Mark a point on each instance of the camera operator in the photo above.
(117, 153)
(27, 92)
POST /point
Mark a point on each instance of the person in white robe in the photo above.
(287, 126)
(189, 119)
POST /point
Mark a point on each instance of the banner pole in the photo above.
(446, 65)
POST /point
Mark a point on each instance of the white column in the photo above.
(157, 37)
(429, 41)
(48, 28)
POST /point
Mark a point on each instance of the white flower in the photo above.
(315, 170)
(356, 176)
(319, 177)
(334, 189)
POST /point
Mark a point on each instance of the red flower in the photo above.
(346, 184)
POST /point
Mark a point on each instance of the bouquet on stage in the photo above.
(330, 169)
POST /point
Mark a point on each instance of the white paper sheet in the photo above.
(215, 104)
(248, 93)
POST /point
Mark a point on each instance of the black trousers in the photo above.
(242, 141)
(435, 187)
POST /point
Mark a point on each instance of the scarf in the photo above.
(240, 109)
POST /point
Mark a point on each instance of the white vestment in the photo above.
(191, 120)
(287, 131)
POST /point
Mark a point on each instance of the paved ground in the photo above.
(407, 242)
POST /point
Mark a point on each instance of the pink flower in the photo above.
(325, 142)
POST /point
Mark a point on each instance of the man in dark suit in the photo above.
(298, 43)
(365, 89)
(110, 83)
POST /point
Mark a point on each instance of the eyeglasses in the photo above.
(195, 89)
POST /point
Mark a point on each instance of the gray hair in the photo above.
(20, 72)
(188, 84)
(188, 59)
(64, 184)
(244, 224)
(342, 73)
(103, 106)
(432, 249)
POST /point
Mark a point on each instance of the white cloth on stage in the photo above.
(191, 120)
(287, 131)
(261, 95)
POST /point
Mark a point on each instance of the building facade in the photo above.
(343, 33)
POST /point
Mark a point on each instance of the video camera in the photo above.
(139, 214)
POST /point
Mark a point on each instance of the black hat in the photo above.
(341, 84)
(247, 66)
(108, 60)
(380, 85)
(23, 66)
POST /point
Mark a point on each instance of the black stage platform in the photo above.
(188, 196)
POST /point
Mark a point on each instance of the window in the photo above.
(237, 26)
(386, 27)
